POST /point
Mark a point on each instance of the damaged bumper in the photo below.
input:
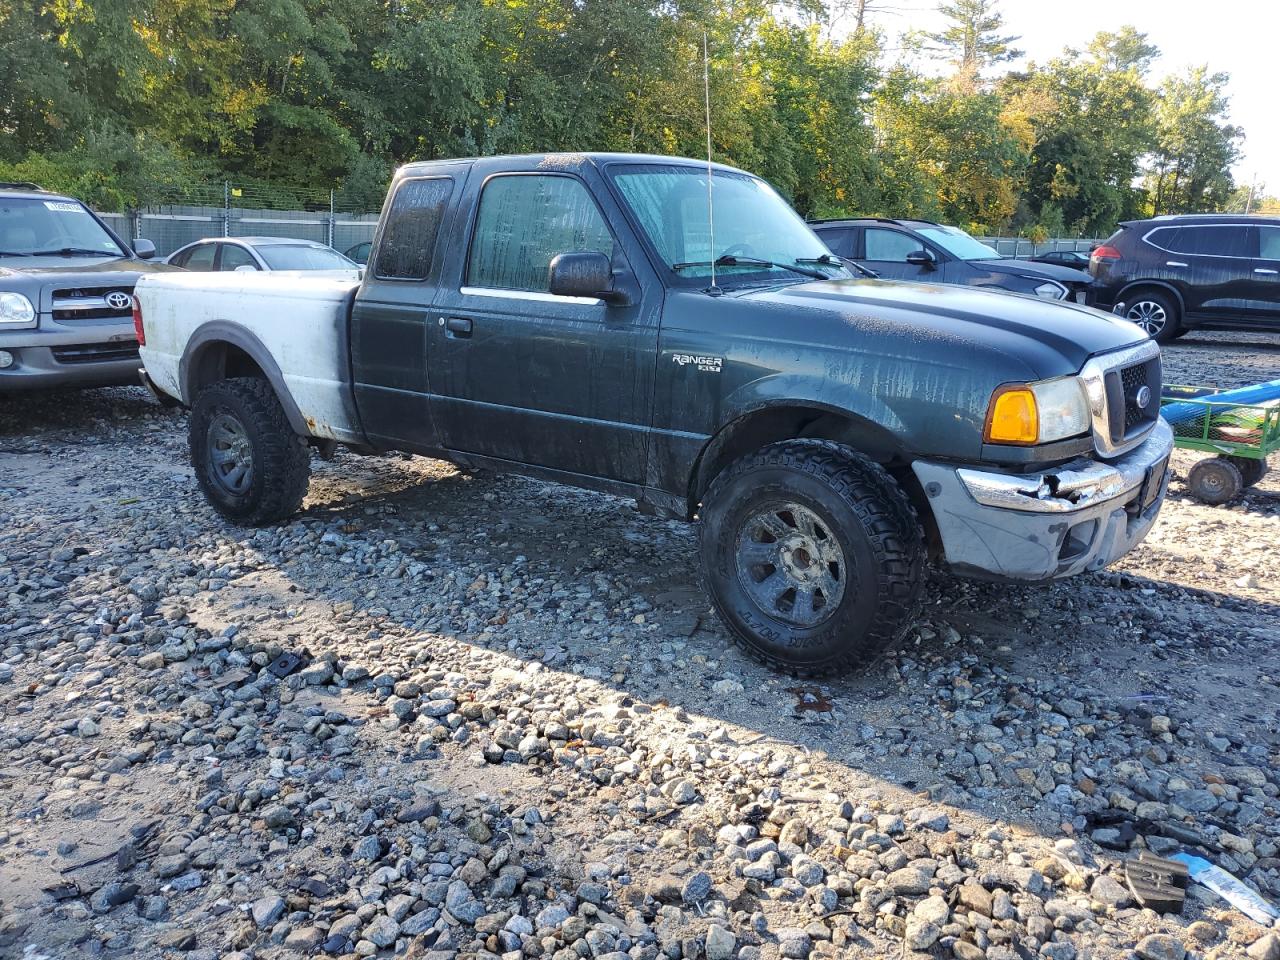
(1080, 516)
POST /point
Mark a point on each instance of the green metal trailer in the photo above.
(1240, 436)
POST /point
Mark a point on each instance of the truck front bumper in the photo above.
(1077, 517)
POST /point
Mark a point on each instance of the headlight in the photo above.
(16, 309)
(1050, 290)
(1027, 413)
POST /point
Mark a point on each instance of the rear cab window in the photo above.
(412, 225)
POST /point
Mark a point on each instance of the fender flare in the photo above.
(218, 332)
(1159, 285)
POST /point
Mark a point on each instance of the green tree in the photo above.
(1190, 169)
(972, 40)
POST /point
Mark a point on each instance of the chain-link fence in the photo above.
(1024, 248)
(222, 210)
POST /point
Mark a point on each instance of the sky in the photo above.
(1237, 37)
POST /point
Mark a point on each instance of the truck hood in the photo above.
(63, 268)
(1029, 268)
(1052, 338)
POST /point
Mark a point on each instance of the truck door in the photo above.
(526, 376)
(390, 318)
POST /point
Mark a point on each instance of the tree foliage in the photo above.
(124, 101)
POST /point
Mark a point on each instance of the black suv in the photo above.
(929, 252)
(66, 293)
(1172, 274)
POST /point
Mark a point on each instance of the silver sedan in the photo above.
(226, 254)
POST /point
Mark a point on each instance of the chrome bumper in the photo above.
(1080, 516)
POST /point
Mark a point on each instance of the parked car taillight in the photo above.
(1104, 252)
(137, 323)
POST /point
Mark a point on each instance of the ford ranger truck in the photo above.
(581, 318)
(66, 294)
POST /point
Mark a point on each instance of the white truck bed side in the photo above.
(301, 322)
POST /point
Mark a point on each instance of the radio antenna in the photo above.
(706, 99)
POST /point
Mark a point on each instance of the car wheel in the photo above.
(1251, 471)
(1215, 480)
(1155, 313)
(249, 463)
(812, 555)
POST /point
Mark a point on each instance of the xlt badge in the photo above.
(703, 363)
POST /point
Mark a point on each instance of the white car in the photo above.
(270, 254)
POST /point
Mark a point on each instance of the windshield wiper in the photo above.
(73, 252)
(838, 261)
(13, 253)
(730, 260)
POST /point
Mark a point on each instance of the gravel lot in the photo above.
(520, 732)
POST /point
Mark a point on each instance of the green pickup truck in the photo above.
(670, 331)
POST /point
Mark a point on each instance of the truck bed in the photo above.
(300, 320)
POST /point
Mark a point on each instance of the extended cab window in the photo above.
(524, 222)
(413, 223)
(890, 246)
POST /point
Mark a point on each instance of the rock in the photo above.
(112, 895)
(1110, 892)
(696, 888)
(551, 917)
(910, 881)
(277, 816)
(720, 943)
(305, 939)
(1160, 946)
(381, 931)
(267, 910)
(794, 943)
(921, 934)
(1266, 947)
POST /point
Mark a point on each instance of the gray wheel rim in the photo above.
(790, 564)
(1149, 315)
(1213, 483)
(230, 454)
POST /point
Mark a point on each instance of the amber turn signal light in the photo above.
(1012, 416)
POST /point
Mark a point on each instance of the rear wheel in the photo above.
(249, 463)
(812, 555)
(1156, 313)
(1215, 480)
(1251, 471)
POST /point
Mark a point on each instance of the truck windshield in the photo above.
(33, 227)
(959, 244)
(301, 256)
(757, 236)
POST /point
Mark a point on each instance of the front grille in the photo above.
(96, 352)
(91, 303)
(1128, 417)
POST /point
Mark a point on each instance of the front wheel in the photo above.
(1156, 314)
(249, 463)
(812, 555)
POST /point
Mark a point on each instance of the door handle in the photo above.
(1267, 271)
(1174, 263)
(458, 326)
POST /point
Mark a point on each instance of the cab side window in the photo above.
(234, 257)
(1269, 243)
(413, 222)
(1207, 241)
(526, 220)
(890, 246)
(201, 257)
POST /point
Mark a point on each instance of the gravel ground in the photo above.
(520, 732)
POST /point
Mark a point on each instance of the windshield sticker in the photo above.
(62, 206)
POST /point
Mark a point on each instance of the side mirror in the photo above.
(144, 249)
(246, 268)
(581, 274)
(922, 258)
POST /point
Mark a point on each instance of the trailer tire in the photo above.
(1251, 471)
(812, 555)
(252, 468)
(1215, 480)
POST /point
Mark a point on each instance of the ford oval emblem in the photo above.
(1142, 397)
(119, 300)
